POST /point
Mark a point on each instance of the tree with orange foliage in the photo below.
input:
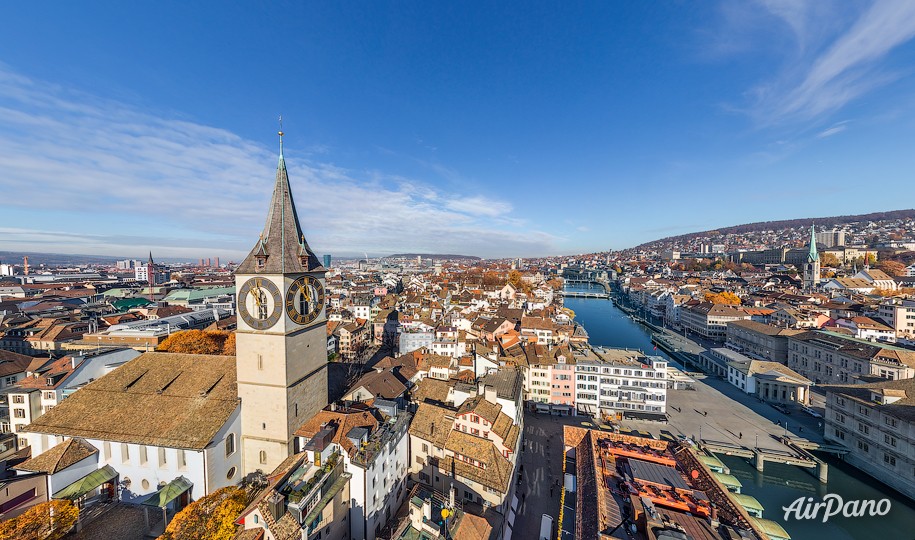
(830, 260)
(892, 268)
(228, 348)
(555, 283)
(212, 517)
(886, 293)
(195, 342)
(46, 521)
(725, 297)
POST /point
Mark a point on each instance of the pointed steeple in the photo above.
(281, 248)
(812, 255)
(150, 259)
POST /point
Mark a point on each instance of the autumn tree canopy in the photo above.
(36, 523)
(892, 268)
(212, 517)
(725, 297)
(830, 260)
(199, 342)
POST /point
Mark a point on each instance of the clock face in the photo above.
(304, 300)
(259, 302)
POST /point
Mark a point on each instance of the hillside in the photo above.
(434, 256)
(762, 226)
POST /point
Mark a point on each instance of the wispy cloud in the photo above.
(839, 56)
(135, 180)
(834, 130)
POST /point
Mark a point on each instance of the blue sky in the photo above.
(516, 129)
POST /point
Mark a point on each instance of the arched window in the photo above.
(263, 456)
(230, 444)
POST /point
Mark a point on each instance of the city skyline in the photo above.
(482, 131)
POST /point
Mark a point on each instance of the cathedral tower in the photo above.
(281, 341)
(812, 267)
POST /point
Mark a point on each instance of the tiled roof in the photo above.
(282, 241)
(432, 423)
(431, 389)
(497, 470)
(482, 407)
(344, 421)
(157, 399)
(59, 457)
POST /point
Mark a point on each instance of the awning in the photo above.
(168, 493)
(328, 496)
(749, 502)
(771, 528)
(728, 480)
(712, 462)
(87, 483)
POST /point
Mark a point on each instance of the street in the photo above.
(541, 471)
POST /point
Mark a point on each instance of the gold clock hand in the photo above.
(304, 290)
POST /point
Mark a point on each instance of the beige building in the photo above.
(875, 422)
(899, 314)
(473, 446)
(281, 341)
(761, 340)
(710, 320)
(832, 358)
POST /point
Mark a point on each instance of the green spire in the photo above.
(813, 255)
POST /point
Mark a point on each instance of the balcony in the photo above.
(386, 433)
(304, 492)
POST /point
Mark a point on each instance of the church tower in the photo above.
(812, 267)
(281, 341)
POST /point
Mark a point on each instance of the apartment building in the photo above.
(710, 320)
(832, 358)
(899, 314)
(875, 422)
(760, 340)
(615, 382)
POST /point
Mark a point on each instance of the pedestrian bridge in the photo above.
(579, 294)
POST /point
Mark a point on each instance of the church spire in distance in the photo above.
(281, 248)
(812, 255)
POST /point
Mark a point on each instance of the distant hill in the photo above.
(66, 259)
(760, 226)
(441, 256)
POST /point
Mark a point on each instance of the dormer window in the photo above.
(260, 262)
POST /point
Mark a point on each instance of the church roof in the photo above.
(157, 399)
(282, 246)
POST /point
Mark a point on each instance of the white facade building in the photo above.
(620, 381)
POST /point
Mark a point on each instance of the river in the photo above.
(779, 485)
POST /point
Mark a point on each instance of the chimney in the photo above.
(432, 431)
(451, 495)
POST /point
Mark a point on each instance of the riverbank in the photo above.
(738, 419)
